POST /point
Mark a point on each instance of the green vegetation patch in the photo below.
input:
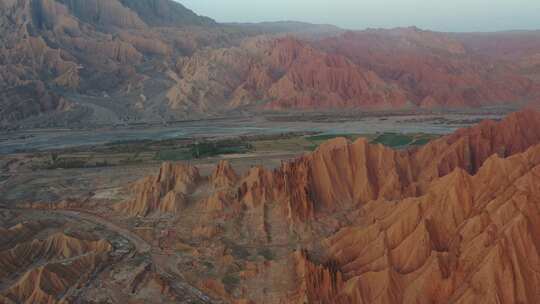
(325, 137)
(174, 155)
(209, 149)
(400, 140)
(393, 139)
(204, 150)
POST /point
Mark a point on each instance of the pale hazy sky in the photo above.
(441, 15)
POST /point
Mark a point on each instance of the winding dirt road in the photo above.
(142, 247)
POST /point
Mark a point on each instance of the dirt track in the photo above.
(140, 245)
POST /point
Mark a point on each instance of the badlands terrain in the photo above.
(451, 220)
(152, 155)
(83, 63)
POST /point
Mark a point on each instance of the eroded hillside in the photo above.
(360, 223)
(88, 63)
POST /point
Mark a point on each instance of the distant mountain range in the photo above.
(95, 62)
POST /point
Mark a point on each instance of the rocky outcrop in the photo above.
(447, 222)
(22, 232)
(48, 284)
(59, 246)
(469, 148)
(469, 228)
(165, 193)
(341, 174)
(452, 244)
(224, 175)
(43, 270)
(318, 283)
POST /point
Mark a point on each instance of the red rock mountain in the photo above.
(165, 192)
(102, 62)
(312, 79)
(435, 69)
(457, 242)
(453, 221)
(382, 69)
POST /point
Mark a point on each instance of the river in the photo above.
(46, 139)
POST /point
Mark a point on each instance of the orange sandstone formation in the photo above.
(224, 175)
(164, 193)
(341, 174)
(468, 239)
(469, 148)
(317, 283)
(46, 270)
(447, 222)
(55, 247)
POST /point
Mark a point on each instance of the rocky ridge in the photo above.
(340, 173)
(445, 222)
(46, 270)
(155, 60)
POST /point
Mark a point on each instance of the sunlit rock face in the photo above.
(455, 242)
(164, 193)
(445, 222)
